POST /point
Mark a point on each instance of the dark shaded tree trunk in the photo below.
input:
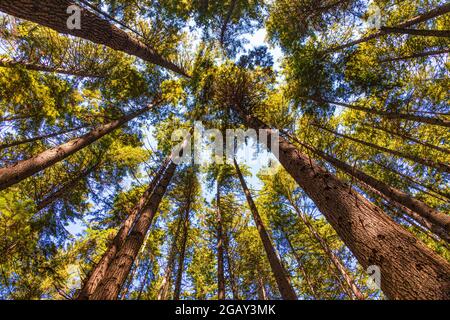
(52, 14)
(278, 270)
(428, 187)
(409, 270)
(300, 265)
(223, 29)
(387, 114)
(416, 32)
(220, 250)
(120, 266)
(38, 138)
(66, 188)
(163, 293)
(407, 137)
(9, 63)
(231, 268)
(415, 55)
(99, 271)
(182, 251)
(426, 162)
(26, 168)
(441, 10)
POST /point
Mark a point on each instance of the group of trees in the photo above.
(361, 189)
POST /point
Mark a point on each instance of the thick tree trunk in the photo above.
(417, 32)
(415, 55)
(431, 219)
(278, 270)
(329, 253)
(120, 266)
(409, 270)
(406, 137)
(38, 138)
(53, 14)
(99, 271)
(387, 114)
(220, 250)
(9, 63)
(66, 188)
(426, 162)
(26, 168)
(441, 10)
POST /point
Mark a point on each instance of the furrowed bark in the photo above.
(21, 170)
(53, 14)
(120, 266)
(99, 271)
(409, 270)
(278, 270)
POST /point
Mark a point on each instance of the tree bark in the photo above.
(120, 266)
(262, 292)
(278, 270)
(231, 268)
(99, 271)
(426, 162)
(409, 270)
(9, 63)
(21, 170)
(53, 14)
(227, 20)
(416, 32)
(387, 114)
(441, 10)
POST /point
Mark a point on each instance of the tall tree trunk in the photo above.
(9, 63)
(278, 270)
(145, 277)
(38, 138)
(415, 55)
(329, 253)
(182, 251)
(220, 250)
(431, 219)
(231, 268)
(441, 10)
(373, 237)
(163, 293)
(416, 32)
(300, 265)
(426, 162)
(53, 14)
(21, 170)
(407, 137)
(261, 287)
(386, 114)
(120, 266)
(99, 271)
(428, 187)
(66, 188)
